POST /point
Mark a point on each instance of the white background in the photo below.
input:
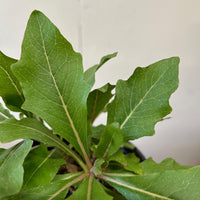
(142, 32)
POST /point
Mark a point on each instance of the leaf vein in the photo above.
(63, 103)
(135, 188)
(143, 98)
(13, 83)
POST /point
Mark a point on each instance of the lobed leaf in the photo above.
(142, 100)
(149, 166)
(11, 169)
(133, 164)
(129, 162)
(51, 74)
(118, 157)
(56, 90)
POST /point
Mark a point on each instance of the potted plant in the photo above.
(72, 159)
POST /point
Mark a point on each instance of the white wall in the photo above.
(142, 32)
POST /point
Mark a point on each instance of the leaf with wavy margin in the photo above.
(51, 74)
(143, 99)
(149, 166)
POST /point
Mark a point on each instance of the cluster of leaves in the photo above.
(73, 159)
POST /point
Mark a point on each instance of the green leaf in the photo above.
(33, 129)
(110, 141)
(11, 170)
(90, 189)
(28, 128)
(97, 100)
(53, 190)
(41, 163)
(168, 185)
(97, 131)
(114, 194)
(149, 166)
(118, 157)
(4, 114)
(61, 177)
(51, 74)
(89, 75)
(133, 164)
(142, 100)
(97, 169)
(130, 161)
(118, 173)
(10, 89)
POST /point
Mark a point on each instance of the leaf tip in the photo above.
(115, 54)
(176, 60)
(36, 12)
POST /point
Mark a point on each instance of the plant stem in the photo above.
(68, 151)
(90, 186)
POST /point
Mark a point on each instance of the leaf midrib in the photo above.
(39, 166)
(135, 188)
(108, 146)
(120, 174)
(81, 177)
(8, 156)
(57, 141)
(62, 101)
(3, 115)
(89, 191)
(13, 83)
(140, 102)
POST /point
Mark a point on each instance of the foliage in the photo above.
(71, 158)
